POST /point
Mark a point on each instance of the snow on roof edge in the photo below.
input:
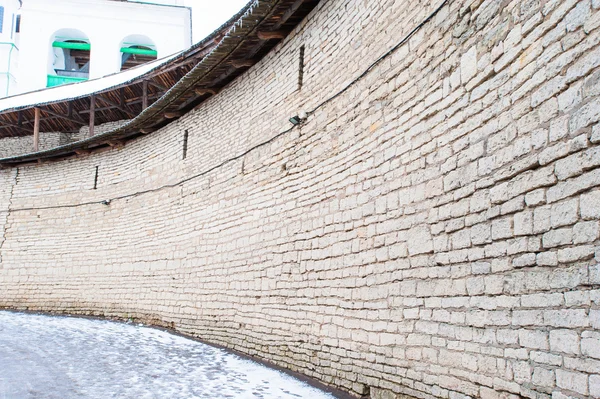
(81, 89)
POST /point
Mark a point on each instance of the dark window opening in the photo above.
(71, 62)
(18, 25)
(96, 178)
(133, 56)
(77, 58)
(185, 144)
(301, 69)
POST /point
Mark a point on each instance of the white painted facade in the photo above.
(106, 26)
(9, 47)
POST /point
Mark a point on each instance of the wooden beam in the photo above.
(67, 117)
(36, 131)
(92, 114)
(288, 14)
(242, 63)
(23, 128)
(82, 151)
(8, 125)
(203, 91)
(137, 100)
(147, 130)
(122, 96)
(144, 95)
(129, 102)
(70, 110)
(172, 115)
(157, 85)
(115, 105)
(276, 34)
(116, 143)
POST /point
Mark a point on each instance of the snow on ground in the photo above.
(46, 357)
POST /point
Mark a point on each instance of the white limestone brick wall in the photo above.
(103, 128)
(431, 232)
(12, 146)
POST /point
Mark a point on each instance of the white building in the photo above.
(67, 41)
(8, 46)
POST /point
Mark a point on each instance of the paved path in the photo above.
(46, 357)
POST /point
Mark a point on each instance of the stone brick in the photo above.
(542, 300)
(585, 116)
(564, 341)
(461, 239)
(568, 167)
(583, 65)
(555, 238)
(573, 186)
(590, 86)
(420, 241)
(525, 260)
(481, 234)
(547, 259)
(595, 138)
(570, 98)
(512, 206)
(590, 344)
(566, 318)
(573, 254)
(577, 298)
(564, 213)
(595, 385)
(572, 381)
(578, 15)
(535, 197)
(559, 129)
(543, 377)
(527, 317)
(468, 65)
(480, 267)
(533, 339)
(595, 318)
(541, 219)
(523, 223)
(546, 358)
(585, 232)
(595, 273)
(590, 205)
(502, 228)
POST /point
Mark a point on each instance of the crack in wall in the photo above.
(8, 211)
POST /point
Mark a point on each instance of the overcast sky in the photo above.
(208, 15)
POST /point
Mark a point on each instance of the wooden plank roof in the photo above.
(173, 88)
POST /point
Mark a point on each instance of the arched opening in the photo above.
(70, 57)
(137, 50)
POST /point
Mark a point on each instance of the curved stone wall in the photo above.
(431, 231)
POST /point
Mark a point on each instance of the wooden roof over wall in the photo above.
(169, 91)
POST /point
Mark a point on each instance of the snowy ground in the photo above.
(46, 357)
